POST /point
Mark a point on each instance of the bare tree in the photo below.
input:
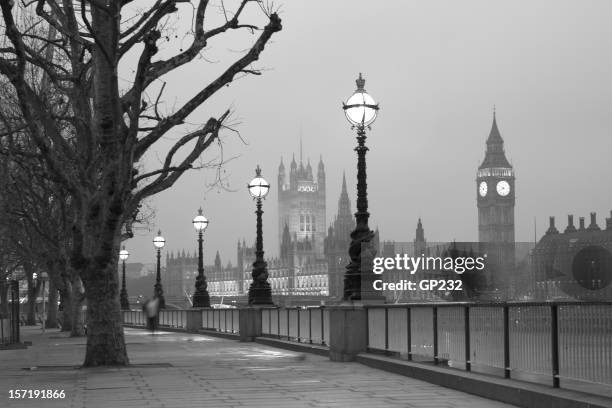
(91, 136)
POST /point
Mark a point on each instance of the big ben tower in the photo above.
(496, 197)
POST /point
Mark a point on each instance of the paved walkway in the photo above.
(178, 370)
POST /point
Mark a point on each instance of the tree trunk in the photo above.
(52, 306)
(105, 340)
(101, 227)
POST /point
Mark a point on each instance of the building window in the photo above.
(307, 223)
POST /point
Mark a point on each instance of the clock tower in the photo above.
(495, 196)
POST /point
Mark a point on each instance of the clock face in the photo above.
(503, 188)
(482, 188)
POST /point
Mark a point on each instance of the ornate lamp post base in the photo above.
(260, 293)
(358, 275)
(201, 298)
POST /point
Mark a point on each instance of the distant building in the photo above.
(312, 259)
(337, 243)
(495, 197)
(301, 204)
(574, 264)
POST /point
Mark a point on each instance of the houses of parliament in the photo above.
(313, 252)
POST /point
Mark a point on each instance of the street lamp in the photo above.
(200, 297)
(260, 292)
(361, 111)
(159, 243)
(123, 297)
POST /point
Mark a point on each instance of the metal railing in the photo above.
(134, 317)
(565, 344)
(562, 343)
(221, 320)
(304, 325)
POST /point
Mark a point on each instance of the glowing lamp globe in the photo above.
(200, 222)
(159, 241)
(123, 254)
(360, 109)
(258, 187)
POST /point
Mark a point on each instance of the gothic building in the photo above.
(301, 204)
(181, 269)
(495, 196)
(337, 243)
(179, 276)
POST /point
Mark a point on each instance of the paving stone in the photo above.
(177, 370)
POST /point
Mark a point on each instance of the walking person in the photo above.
(151, 309)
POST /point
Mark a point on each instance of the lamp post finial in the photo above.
(360, 83)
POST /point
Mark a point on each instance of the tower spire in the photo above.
(344, 204)
(494, 155)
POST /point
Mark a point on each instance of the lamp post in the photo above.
(200, 297)
(260, 292)
(360, 110)
(159, 243)
(123, 297)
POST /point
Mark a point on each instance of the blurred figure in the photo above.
(151, 309)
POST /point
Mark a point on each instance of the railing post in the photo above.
(435, 334)
(322, 326)
(554, 320)
(310, 325)
(288, 322)
(466, 320)
(506, 342)
(367, 328)
(298, 325)
(386, 329)
(409, 332)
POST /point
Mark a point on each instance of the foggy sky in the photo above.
(437, 68)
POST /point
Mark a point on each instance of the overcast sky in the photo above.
(437, 68)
